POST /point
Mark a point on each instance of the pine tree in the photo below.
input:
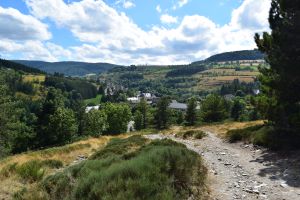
(142, 107)
(162, 115)
(281, 82)
(191, 113)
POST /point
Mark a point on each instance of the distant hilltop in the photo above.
(244, 56)
(71, 68)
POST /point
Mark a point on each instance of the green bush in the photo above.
(162, 169)
(199, 135)
(196, 134)
(119, 147)
(266, 136)
(31, 171)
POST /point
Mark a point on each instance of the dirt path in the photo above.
(238, 171)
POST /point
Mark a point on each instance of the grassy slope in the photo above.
(94, 101)
(211, 79)
(132, 168)
(12, 182)
(69, 153)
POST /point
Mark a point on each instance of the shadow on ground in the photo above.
(284, 166)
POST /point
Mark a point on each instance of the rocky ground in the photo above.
(240, 171)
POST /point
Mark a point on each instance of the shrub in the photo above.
(196, 134)
(119, 147)
(199, 135)
(266, 136)
(162, 169)
(31, 171)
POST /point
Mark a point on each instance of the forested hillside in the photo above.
(234, 56)
(69, 68)
(17, 66)
(39, 110)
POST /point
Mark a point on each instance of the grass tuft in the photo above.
(31, 171)
(196, 134)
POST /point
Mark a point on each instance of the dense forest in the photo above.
(69, 68)
(236, 55)
(17, 66)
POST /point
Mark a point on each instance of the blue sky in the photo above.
(128, 31)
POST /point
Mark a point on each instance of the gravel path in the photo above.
(239, 171)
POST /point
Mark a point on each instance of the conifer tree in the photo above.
(281, 81)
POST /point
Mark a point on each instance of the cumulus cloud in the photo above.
(17, 26)
(168, 19)
(110, 36)
(252, 14)
(31, 50)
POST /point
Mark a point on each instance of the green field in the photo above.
(93, 101)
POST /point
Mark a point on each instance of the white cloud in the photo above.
(128, 4)
(17, 26)
(31, 50)
(168, 19)
(252, 14)
(182, 2)
(158, 8)
(110, 36)
(125, 3)
(179, 4)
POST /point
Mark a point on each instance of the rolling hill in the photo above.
(69, 68)
(234, 56)
(19, 67)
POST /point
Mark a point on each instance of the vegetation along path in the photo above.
(239, 171)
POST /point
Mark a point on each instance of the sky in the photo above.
(128, 31)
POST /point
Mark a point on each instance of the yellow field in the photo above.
(212, 78)
(34, 78)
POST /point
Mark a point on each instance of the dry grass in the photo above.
(219, 129)
(222, 129)
(34, 78)
(66, 154)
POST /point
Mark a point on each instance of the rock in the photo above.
(227, 164)
(252, 191)
(236, 185)
(283, 184)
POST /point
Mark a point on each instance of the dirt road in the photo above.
(239, 171)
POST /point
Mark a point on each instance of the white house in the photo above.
(89, 108)
(133, 99)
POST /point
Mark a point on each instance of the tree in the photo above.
(138, 120)
(95, 123)
(142, 107)
(118, 117)
(281, 81)
(53, 101)
(15, 133)
(62, 126)
(237, 109)
(191, 113)
(213, 109)
(162, 115)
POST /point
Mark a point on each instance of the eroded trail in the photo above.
(238, 171)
